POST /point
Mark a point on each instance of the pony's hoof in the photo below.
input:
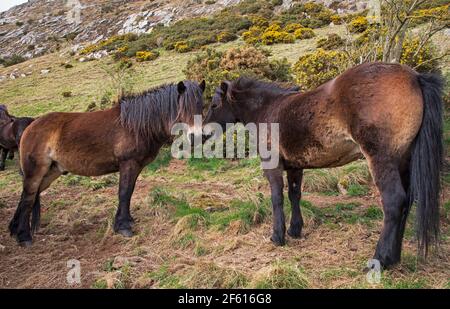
(125, 233)
(294, 232)
(25, 243)
(277, 241)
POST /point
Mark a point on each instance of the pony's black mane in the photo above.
(245, 87)
(150, 114)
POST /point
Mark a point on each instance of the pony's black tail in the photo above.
(426, 163)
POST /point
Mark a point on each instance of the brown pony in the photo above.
(11, 131)
(122, 139)
(5, 120)
(388, 113)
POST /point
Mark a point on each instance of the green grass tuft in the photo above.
(162, 160)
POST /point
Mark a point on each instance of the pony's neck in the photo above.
(254, 104)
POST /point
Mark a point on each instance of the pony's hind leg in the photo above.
(294, 177)
(387, 178)
(19, 226)
(3, 155)
(275, 177)
(50, 177)
(129, 171)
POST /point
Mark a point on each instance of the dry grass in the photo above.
(178, 234)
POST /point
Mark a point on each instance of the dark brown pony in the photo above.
(387, 112)
(122, 139)
(5, 120)
(11, 131)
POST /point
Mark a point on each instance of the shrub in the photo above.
(214, 67)
(336, 19)
(333, 41)
(358, 25)
(146, 56)
(370, 35)
(272, 37)
(423, 59)
(427, 14)
(67, 94)
(182, 47)
(260, 21)
(226, 36)
(314, 69)
(292, 27)
(110, 44)
(304, 33)
(253, 35)
(12, 60)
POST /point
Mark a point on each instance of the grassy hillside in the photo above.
(200, 223)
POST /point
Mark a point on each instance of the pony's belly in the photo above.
(341, 152)
(87, 166)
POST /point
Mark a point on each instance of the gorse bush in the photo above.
(358, 25)
(304, 33)
(146, 55)
(292, 27)
(215, 66)
(273, 34)
(316, 68)
(332, 41)
(424, 60)
(226, 36)
(431, 13)
(182, 47)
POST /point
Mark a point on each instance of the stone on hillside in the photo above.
(45, 72)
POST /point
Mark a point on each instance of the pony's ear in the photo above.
(181, 88)
(203, 85)
(225, 86)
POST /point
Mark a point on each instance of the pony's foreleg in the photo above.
(3, 155)
(294, 177)
(34, 172)
(275, 177)
(11, 155)
(129, 171)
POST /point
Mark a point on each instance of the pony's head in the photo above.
(4, 115)
(190, 101)
(240, 100)
(151, 115)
